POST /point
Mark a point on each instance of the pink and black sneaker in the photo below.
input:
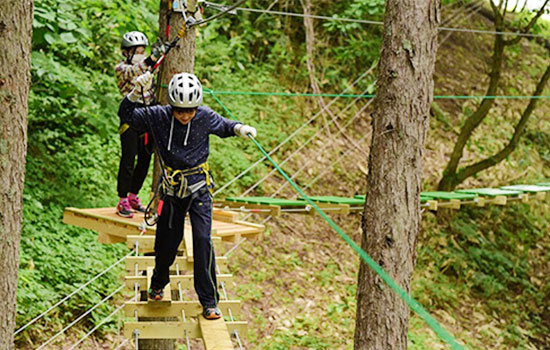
(135, 203)
(124, 209)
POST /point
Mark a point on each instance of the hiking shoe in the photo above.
(155, 294)
(124, 209)
(135, 203)
(211, 313)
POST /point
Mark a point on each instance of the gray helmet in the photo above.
(185, 91)
(132, 39)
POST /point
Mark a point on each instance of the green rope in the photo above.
(411, 302)
(300, 94)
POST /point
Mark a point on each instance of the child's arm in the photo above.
(127, 72)
(128, 113)
(219, 125)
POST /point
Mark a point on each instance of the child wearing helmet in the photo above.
(181, 132)
(130, 177)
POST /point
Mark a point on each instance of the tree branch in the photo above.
(528, 27)
(473, 169)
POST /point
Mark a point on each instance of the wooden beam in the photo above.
(147, 243)
(186, 281)
(192, 308)
(143, 262)
(215, 334)
(224, 215)
(264, 209)
(175, 330)
(105, 238)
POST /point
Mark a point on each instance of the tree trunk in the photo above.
(392, 209)
(180, 59)
(15, 36)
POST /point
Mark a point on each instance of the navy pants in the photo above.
(168, 238)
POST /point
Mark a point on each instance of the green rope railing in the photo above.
(409, 300)
(306, 94)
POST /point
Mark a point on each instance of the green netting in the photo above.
(527, 188)
(491, 192)
(337, 200)
(446, 195)
(360, 196)
(267, 201)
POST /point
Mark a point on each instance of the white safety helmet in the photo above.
(185, 91)
(132, 39)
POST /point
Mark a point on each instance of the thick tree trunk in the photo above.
(180, 59)
(15, 36)
(392, 209)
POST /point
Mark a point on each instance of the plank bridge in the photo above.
(177, 316)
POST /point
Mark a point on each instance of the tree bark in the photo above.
(15, 36)
(392, 209)
(180, 59)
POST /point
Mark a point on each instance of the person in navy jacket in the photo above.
(181, 132)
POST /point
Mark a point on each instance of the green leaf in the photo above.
(68, 38)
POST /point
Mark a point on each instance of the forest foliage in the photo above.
(73, 143)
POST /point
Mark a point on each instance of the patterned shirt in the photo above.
(126, 73)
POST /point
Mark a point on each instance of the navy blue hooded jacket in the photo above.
(180, 146)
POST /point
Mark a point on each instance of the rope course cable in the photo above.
(365, 21)
(333, 120)
(80, 318)
(409, 300)
(107, 318)
(72, 294)
(370, 96)
(291, 136)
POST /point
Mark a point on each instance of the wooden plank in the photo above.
(260, 209)
(215, 334)
(101, 224)
(192, 308)
(224, 215)
(175, 330)
(186, 281)
(166, 300)
(432, 205)
(143, 262)
(105, 238)
(147, 243)
(452, 204)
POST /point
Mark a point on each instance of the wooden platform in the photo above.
(216, 335)
(115, 229)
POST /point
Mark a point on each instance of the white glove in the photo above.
(144, 81)
(141, 83)
(243, 130)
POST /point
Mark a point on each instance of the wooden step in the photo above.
(146, 244)
(176, 330)
(143, 262)
(185, 280)
(215, 334)
(192, 308)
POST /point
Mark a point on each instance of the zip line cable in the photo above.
(81, 317)
(72, 294)
(409, 300)
(365, 21)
